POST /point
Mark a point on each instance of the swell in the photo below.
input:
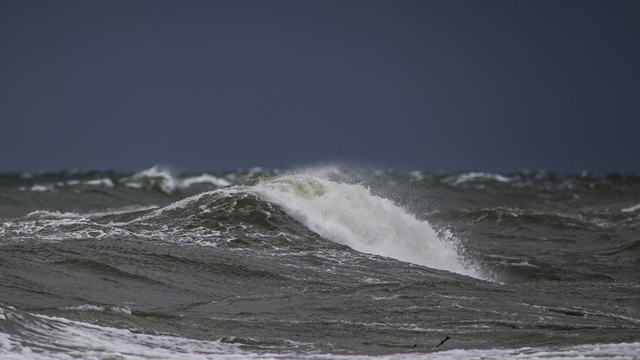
(100, 191)
(215, 217)
(548, 244)
(550, 220)
(277, 211)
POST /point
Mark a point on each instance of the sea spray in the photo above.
(349, 214)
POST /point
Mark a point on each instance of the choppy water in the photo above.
(319, 263)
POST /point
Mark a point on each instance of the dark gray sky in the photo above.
(406, 85)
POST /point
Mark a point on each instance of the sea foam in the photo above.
(166, 182)
(349, 214)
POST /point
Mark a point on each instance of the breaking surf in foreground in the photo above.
(319, 263)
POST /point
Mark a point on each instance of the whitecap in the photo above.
(205, 178)
(37, 187)
(153, 177)
(349, 214)
(631, 209)
(473, 176)
(105, 182)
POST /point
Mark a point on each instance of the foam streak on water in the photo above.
(45, 337)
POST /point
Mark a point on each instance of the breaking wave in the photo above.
(349, 214)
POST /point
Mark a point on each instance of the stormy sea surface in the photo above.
(319, 263)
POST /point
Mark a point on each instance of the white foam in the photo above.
(462, 178)
(351, 215)
(58, 338)
(624, 351)
(56, 226)
(133, 185)
(50, 215)
(106, 182)
(417, 175)
(88, 307)
(38, 225)
(37, 187)
(153, 176)
(167, 182)
(631, 209)
(205, 178)
(181, 204)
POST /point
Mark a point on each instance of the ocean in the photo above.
(326, 262)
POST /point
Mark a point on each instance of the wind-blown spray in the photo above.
(349, 214)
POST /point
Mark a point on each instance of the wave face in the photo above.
(349, 214)
(318, 263)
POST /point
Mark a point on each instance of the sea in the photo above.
(322, 262)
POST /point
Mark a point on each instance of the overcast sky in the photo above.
(437, 86)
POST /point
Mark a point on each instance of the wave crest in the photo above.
(349, 214)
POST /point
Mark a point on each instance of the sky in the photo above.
(435, 86)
